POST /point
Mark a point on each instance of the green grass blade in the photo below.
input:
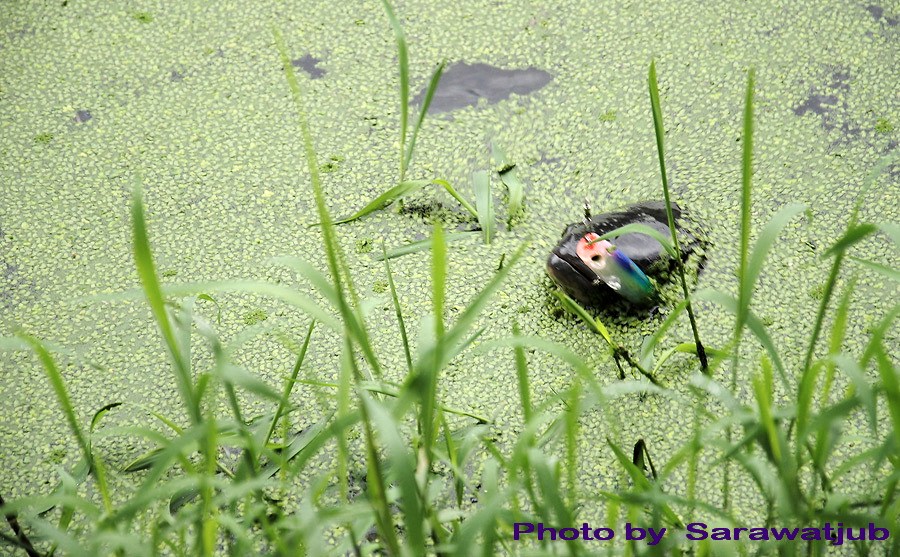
(401, 465)
(752, 322)
(147, 272)
(385, 199)
(764, 244)
(576, 309)
(853, 235)
(438, 278)
(455, 194)
(62, 394)
(421, 245)
(403, 60)
(423, 111)
(289, 385)
(661, 152)
(889, 272)
(404, 339)
(869, 181)
(484, 203)
(522, 376)
(650, 344)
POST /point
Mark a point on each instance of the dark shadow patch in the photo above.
(82, 116)
(817, 104)
(176, 76)
(830, 102)
(309, 64)
(464, 85)
(14, 289)
(877, 13)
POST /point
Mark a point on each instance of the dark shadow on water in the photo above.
(82, 116)
(817, 104)
(309, 64)
(464, 84)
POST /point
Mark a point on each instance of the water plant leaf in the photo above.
(510, 178)
(421, 245)
(484, 204)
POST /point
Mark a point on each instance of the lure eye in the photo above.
(596, 257)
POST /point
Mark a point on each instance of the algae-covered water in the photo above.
(191, 95)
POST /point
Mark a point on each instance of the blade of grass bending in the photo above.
(423, 110)
(146, 269)
(336, 265)
(660, 149)
(62, 395)
(754, 324)
(421, 245)
(595, 324)
(396, 301)
(400, 190)
(764, 244)
(385, 199)
(510, 178)
(481, 182)
(289, 384)
(403, 60)
(889, 272)
(617, 351)
(851, 236)
(466, 205)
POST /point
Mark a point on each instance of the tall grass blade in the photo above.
(423, 111)
(404, 339)
(869, 181)
(147, 272)
(401, 464)
(289, 385)
(403, 61)
(661, 152)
